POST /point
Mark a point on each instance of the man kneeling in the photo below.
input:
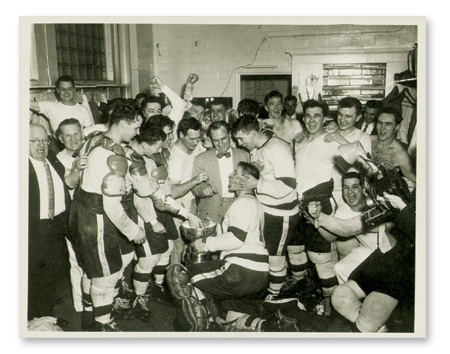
(236, 280)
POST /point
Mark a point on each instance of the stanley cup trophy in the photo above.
(192, 234)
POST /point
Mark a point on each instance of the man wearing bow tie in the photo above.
(213, 195)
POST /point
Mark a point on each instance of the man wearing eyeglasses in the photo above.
(48, 202)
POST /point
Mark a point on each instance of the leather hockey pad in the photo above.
(191, 316)
(179, 283)
(113, 184)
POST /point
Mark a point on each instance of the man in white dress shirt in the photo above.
(218, 163)
(48, 202)
(368, 122)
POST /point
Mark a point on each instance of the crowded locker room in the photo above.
(222, 177)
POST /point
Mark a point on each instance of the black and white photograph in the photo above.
(223, 177)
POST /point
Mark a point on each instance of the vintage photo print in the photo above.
(222, 177)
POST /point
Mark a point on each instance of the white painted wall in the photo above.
(216, 52)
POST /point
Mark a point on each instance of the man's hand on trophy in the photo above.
(195, 221)
(199, 245)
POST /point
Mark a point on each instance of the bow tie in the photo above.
(227, 155)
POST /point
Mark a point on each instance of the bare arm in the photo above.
(73, 178)
(181, 189)
(404, 162)
(176, 101)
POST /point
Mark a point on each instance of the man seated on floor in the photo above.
(353, 249)
(383, 280)
(237, 279)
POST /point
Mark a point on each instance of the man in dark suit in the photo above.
(48, 202)
(218, 163)
(368, 122)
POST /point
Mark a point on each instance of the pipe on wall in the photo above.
(124, 58)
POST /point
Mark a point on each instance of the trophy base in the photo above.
(198, 257)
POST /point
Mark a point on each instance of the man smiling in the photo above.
(349, 111)
(180, 165)
(218, 164)
(48, 202)
(283, 126)
(357, 247)
(387, 150)
(315, 164)
(66, 107)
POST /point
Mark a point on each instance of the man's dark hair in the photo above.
(373, 104)
(249, 170)
(353, 174)
(123, 109)
(151, 135)
(68, 121)
(159, 121)
(186, 115)
(313, 104)
(141, 95)
(216, 126)
(246, 124)
(272, 94)
(290, 98)
(197, 102)
(248, 106)
(219, 101)
(349, 102)
(188, 123)
(391, 110)
(64, 78)
(151, 99)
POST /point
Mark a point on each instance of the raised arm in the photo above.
(176, 101)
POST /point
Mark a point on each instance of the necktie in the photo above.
(51, 191)
(227, 155)
(365, 127)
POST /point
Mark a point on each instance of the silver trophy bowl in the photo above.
(191, 234)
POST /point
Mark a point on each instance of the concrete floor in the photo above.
(163, 316)
(160, 321)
